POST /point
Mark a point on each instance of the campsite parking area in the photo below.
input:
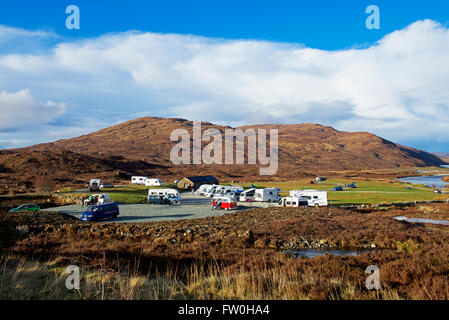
(191, 207)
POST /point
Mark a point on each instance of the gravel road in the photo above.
(191, 207)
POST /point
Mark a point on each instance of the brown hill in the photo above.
(142, 146)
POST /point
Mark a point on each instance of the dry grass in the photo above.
(220, 261)
(331, 278)
(23, 279)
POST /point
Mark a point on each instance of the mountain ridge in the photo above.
(142, 146)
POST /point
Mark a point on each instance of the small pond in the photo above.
(430, 181)
(312, 253)
(419, 220)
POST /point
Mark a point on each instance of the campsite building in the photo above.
(195, 182)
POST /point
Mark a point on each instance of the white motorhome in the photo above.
(232, 191)
(138, 180)
(311, 198)
(94, 185)
(153, 183)
(206, 189)
(218, 190)
(171, 194)
(210, 191)
(247, 195)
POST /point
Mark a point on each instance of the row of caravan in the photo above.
(147, 181)
(238, 193)
(296, 198)
(213, 190)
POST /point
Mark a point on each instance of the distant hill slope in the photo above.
(142, 146)
(442, 155)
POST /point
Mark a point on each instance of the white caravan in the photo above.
(311, 198)
(261, 195)
(171, 194)
(138, 180)
(153, 183)
(94, 185)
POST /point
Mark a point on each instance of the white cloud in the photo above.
(397, 88)
(7, 34)
(19, 109)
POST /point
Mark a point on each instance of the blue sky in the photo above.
(323, 24)
(229, 62)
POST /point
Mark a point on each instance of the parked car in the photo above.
(352, 185)
(26, 207)
(100, 212)
(338, 188)
(225, 203)
(106, 185)
(155, 199)
(437, 191)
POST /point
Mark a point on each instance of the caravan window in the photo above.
(315, 197)
(288, 203)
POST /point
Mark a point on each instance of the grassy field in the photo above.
(367, 191)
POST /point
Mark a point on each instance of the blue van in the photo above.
(100, 212)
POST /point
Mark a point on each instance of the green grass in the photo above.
(367, 191)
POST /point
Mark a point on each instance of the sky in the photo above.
(228, 62)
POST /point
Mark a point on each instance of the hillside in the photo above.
(442, 155)
(142, 146)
